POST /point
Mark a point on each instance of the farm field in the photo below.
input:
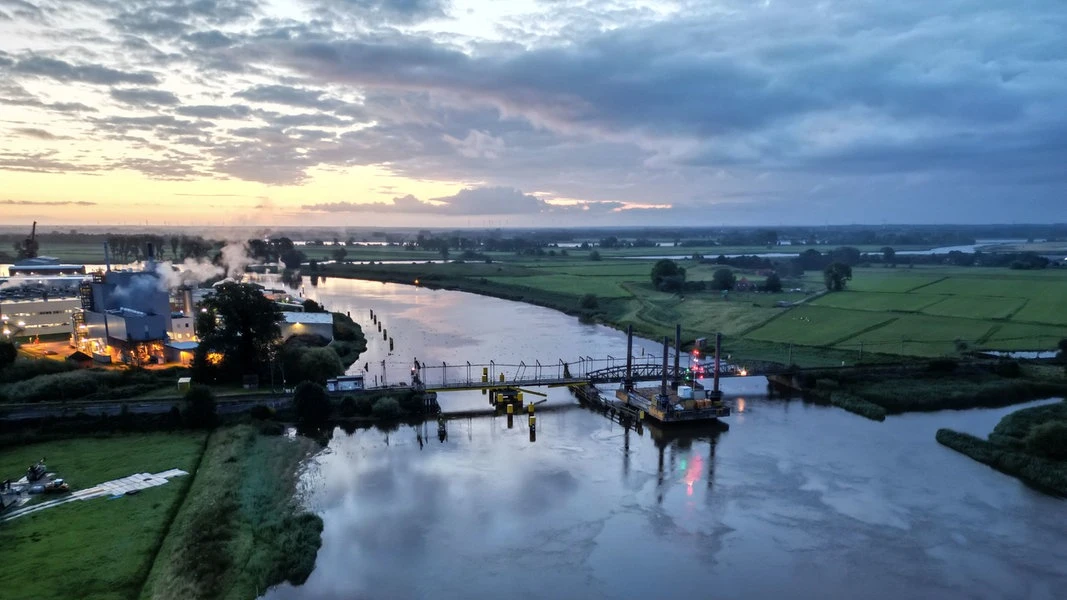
(888, 312)
(934, 312)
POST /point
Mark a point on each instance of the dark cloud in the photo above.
(235, 111)
(209, 40)
(60, 70)
(34, 132)
(282, 94)
(726, 104)
(20, 9)
(144, 97)
(389, 11)
(470, 201)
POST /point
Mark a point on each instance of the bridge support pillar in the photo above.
(718, 360)
(663, 398)
(677, 354)
(628, 382)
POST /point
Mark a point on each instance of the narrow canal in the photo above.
(795, 500)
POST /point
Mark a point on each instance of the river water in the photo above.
(795, 500)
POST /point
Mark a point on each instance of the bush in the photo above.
(857, 405)
(1008, 368)
(387, 409)
(200, 407)
(1048, 440)
(594, 256)
(261, 412)
(589, 302)
(21, 370)
(364, 407)
(348, 407)
(312, 403)
(942, 365)
(8, 354)
(320, 364)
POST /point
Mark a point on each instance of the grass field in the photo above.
(923, 312)
(98, 548)
(239, 530)
(933, 312)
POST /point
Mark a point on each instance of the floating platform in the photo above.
(674, 408)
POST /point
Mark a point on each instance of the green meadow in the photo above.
(884, 313)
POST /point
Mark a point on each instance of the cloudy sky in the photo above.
(532, 112)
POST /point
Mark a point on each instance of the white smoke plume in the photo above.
(16, 281)
(235, 257)
(191, 272)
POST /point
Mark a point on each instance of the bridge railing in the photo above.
(523, 373)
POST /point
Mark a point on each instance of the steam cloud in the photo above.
(234, 259)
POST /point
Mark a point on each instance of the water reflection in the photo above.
(795, 500)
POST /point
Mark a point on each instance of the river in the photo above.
(795, 500)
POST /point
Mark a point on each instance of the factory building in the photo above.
(31, 308)
(303, 323)
(125, 317)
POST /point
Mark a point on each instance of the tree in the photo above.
(594, 255)
(8, 353)
(847, 255)
(773, 283)
(724, 279)
(312, 403)
(310, 306)
(318, 365)
(667, 275)
(589, 302)
(386, 408)
(242, 326)
(339, 253)
(292, 258)
(835, 275)
(889, 256)
(200, 407)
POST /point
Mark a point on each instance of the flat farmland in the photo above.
(1022, 336)
(926, 312)
(607, 287)
(878, 301)
(922, 335)
(1047, 309)
(975, 307)
(818, 326)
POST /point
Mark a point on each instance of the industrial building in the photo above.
(304, 323)
(44, 265)
(30, 308)
(129, 316)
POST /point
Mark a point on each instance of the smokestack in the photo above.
(187, 301)
(107, 257)
(628, 383)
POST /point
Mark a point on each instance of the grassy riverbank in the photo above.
(229, 530)
(98, 548)
(937, 385)
(239, 530)
(1028, 444)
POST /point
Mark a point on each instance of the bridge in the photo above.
(445, 377)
